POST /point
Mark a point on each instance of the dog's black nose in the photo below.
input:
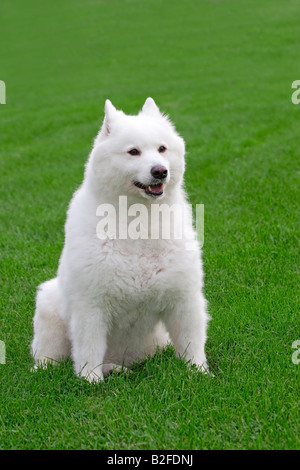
(159, 172)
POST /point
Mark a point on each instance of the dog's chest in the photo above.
(135, 273)
(140, 292)
(140, 268)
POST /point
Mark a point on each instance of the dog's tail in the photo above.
(50, 342)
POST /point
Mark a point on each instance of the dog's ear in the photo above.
(110, 111)
(150, 107)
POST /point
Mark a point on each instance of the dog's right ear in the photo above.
(150, 107)
(110, 111)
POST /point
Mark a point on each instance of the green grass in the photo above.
(223, 71)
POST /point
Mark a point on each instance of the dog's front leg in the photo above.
(88, 338)
(187, 326)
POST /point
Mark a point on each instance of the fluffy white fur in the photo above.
(115, 300)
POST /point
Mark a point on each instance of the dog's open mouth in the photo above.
(152, 189)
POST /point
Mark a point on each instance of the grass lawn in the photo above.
(223, 71)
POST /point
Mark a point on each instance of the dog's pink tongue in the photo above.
(156, 188)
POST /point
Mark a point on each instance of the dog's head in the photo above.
(140, 154)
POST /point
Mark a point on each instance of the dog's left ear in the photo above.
(110, 111)
(150, 107)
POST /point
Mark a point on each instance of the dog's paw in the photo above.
(93, 377)
(203, 368)
(111, 367)
(90, 374)
(41, 365)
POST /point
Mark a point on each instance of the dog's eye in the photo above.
(134, 152)
(162, 149)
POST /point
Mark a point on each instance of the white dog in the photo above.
(117, 298)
